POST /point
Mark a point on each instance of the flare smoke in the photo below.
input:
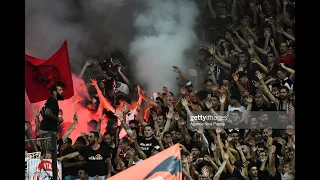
(164, 33)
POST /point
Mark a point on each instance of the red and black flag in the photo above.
(40, 75)
(165, 165)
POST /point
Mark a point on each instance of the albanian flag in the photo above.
(40, 75)
(166, 165)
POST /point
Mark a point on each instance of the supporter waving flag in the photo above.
(41, 74)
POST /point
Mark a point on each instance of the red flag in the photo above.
(166, 165)
(42, 74)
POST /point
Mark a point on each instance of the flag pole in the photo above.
(74, 103)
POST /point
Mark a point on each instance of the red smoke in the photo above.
(67, 107)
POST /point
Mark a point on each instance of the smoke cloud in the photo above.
(92, 28)
(164, 34)
(155, 33)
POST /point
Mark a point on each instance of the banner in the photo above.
(42, 169)
(166, 165)
(40, 75)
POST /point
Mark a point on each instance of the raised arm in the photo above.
(248, 110)
(267, 36)
(255, 12)
(107, 105)
(87, 64)
(266, 100)
(266, 89)
(272, 160)
(209, 106)
(125, 78)
(242, 41)
(183, 128)
(98, 129)
(285, 18)
(183, 75)
(185, 103)
(235, 45)
(275, 51)
(221, 168)
(263, 67)
(242, 90)
(213, 13)
(37, 120)
(141, 118)
(138, 148)
(287, 35)
(212, 74)
(128, 130)
(68, 156)
(229, 166)
(71, 128)
(215, 153)
(291, 71)
(29, 137)
(204, 141)
(233, 10)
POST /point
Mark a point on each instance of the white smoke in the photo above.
(165, 32)
(92, 28)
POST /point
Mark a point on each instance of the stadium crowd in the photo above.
(247, 75)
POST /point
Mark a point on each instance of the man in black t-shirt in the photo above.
(207, 91)
(51, 120)
(259, 105)
(96, 156)
(71, 166)
(148, 141)
(108, 140)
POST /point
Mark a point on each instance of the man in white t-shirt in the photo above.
(129, 111)
(122, 87)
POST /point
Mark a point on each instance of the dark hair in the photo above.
(238, 164)
(253, 116)
(197, 146)
(165, 133)
(123, 98)
(54, 87)
(208, 80)
(148, 125)
(125, 140)
(286, 88)
(96, 134)
(135, 122)
(111, 121)
(108, 132)
(135, 129)
(92, 124)
(276, 85)
(237, 111)
(159, 99)
(109, 83)
(81, 140)
(68, 140)
(262, 146)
